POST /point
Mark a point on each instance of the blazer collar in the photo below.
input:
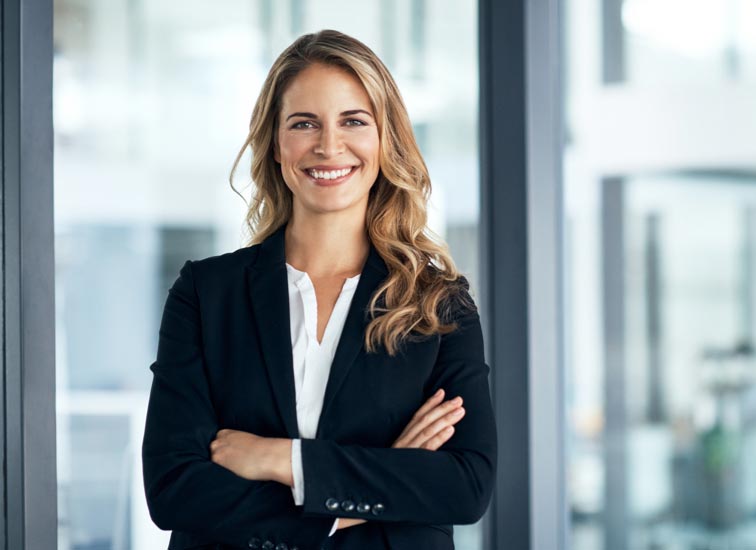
(269, 297)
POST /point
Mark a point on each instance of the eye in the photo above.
(303, 125)
(354, 122)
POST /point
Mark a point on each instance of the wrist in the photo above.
(281, 461)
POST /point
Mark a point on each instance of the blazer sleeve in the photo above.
(451, 485)
(185, 490)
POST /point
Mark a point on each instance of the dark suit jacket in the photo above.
(224, 361)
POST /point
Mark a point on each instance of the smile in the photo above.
(330, 177)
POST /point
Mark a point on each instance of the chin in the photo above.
(333, 205)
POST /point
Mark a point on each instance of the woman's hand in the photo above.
(430, 427)
(252, 456)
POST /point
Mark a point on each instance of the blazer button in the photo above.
(363, 507)
(378, 509)
(347, 505)
(254, 542)
(332, 504)
(281, 546)
(268, 545)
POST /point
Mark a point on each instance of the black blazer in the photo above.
(224, 361)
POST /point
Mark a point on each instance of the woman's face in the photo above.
(328, 145)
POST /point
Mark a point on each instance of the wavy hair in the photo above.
(423, 290)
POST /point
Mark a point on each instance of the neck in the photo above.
(327, 245)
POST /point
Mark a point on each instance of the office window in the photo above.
(660, 181)
(151, 104)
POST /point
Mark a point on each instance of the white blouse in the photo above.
(312, 360)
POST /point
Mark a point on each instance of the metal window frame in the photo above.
(27, 415)
(521, 139)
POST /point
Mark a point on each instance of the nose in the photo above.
(330, 142)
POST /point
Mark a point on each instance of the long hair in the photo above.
(423, 287)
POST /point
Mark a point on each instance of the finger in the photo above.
(345, 523)
(436, 427)
(416, 426)
(417, 431)
(435, 443)
(431, 402)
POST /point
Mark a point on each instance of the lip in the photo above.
(330, 183)
(327, 167)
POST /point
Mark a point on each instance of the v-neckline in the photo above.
(347, 284)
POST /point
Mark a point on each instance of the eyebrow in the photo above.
(345, 113)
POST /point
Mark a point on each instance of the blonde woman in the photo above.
(325, 386)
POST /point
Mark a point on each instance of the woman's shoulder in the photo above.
(457, 301)
(459, 282)
(225, 264)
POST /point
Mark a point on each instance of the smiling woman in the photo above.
(298, 392)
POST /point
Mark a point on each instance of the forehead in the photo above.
(323, 88)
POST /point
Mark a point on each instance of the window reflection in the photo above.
(151, 103)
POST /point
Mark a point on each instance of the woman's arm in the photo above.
(450, 486)
(407, 483)
(430, 427)
(260, 458)
(185, 490)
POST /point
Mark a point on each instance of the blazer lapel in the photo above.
(269, 294)
(353, 334)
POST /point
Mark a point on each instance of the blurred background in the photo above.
(660, 279)
(152, 102)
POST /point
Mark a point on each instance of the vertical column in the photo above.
(29, 519)
(546, 275)
(504, 271)
(613, 59)
(656, 409)
(615, 425)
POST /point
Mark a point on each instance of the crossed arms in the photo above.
(231, 485)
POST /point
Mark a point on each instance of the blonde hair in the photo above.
(423, 287)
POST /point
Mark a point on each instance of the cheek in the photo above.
(284, 154)
(369, 148)
(289, 150)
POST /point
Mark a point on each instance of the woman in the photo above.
(298, 391)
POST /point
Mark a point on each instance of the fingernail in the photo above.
(449, 429)
(459, 411)
(457, 400)
(438, 392)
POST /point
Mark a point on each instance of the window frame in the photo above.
(521, 137)
(27, 415)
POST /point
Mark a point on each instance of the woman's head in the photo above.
(401, 166)
(390, 186)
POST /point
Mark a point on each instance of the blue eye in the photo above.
(303, 124)
(354, 122)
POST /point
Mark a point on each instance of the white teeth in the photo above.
(329, 174)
